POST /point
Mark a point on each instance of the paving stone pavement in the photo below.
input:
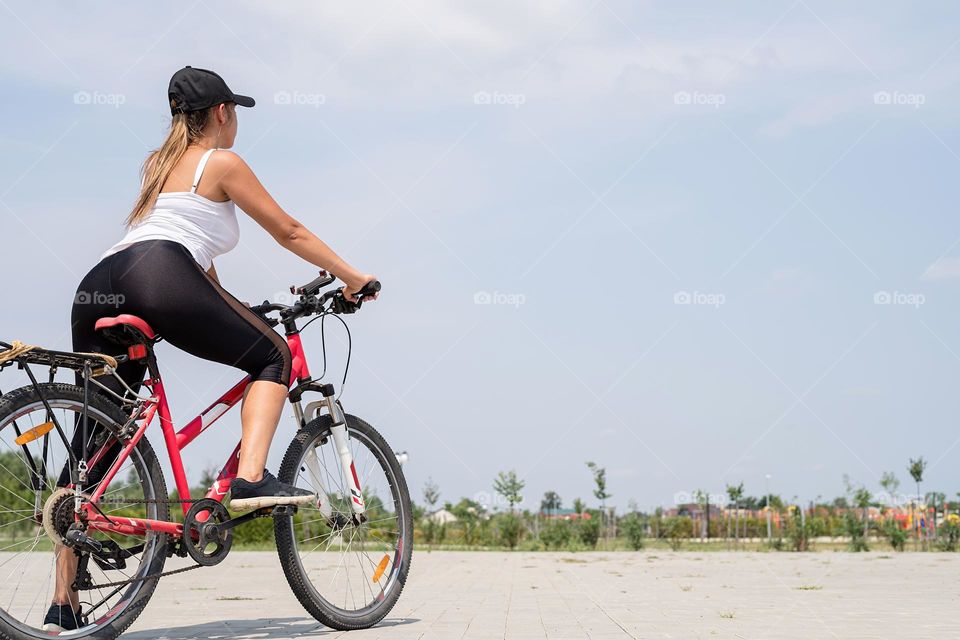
(648, 594)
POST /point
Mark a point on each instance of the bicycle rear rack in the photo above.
(89, 365)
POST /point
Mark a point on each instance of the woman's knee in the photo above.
(276, 366)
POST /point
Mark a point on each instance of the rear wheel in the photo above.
(347, 575)
(29, 475)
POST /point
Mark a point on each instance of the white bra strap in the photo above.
(200, 167)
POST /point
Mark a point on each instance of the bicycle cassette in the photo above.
(58, 515)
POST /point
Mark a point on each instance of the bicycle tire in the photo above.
(19, 399)
(319, 608)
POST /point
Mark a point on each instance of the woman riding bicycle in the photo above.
(162, 271)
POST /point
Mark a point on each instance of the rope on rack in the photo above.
(16, 349)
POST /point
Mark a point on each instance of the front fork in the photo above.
(341, 444)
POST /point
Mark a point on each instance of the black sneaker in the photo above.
(61, 617)
(268, 492)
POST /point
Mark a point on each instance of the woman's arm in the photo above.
(242, 186)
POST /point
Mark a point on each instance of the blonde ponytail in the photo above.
(185, 128)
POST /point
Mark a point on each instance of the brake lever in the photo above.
(340, 304)
(258, 309)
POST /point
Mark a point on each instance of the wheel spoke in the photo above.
(350, 567)
(30, 576)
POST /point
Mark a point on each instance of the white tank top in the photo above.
(205, 227)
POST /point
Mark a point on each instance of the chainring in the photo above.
(58, 514)
(204, 540)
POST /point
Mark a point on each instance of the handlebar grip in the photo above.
(342, 305)
(370, 288)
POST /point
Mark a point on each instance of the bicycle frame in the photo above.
(176, 441)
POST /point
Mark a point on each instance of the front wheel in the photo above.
(346, 574)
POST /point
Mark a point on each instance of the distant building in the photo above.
(565, 514)
(442, 516)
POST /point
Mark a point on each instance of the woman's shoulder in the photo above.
(224, 160)
(224, 157)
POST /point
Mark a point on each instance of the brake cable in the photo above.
(323, 344)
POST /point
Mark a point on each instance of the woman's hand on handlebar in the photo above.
(352, 288)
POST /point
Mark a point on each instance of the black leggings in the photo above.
(160, 282)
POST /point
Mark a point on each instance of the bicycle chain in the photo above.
(161, 574)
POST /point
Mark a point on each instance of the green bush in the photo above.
(676, 529)
(588, 532)
(433, 532)
(556, 534)
(948, 536)
(895, 534)
(634, 531)
(801, 530)
(853, 526)
(509, 527)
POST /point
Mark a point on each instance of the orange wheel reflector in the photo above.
(381, 568)
(31, 435)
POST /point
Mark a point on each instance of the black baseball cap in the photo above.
(195, 89)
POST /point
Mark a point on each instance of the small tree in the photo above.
(579, 506)
(916, 469)
(431, 493)
(509, 486)
(551, 503)
(600, 492)
(862, 499)
(634, 531)
(468, 513)
(895, 534)
(735, 493)
(890, 484)
(432, 530)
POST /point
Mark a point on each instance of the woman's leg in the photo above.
(194, 313)
(260, 414)
(66, 572)
(85, 312)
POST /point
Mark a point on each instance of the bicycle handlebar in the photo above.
(310, 304)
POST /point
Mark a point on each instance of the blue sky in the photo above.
(786, 167)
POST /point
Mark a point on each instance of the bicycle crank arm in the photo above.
(265, 512)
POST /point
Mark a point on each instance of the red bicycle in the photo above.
(345, 556)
